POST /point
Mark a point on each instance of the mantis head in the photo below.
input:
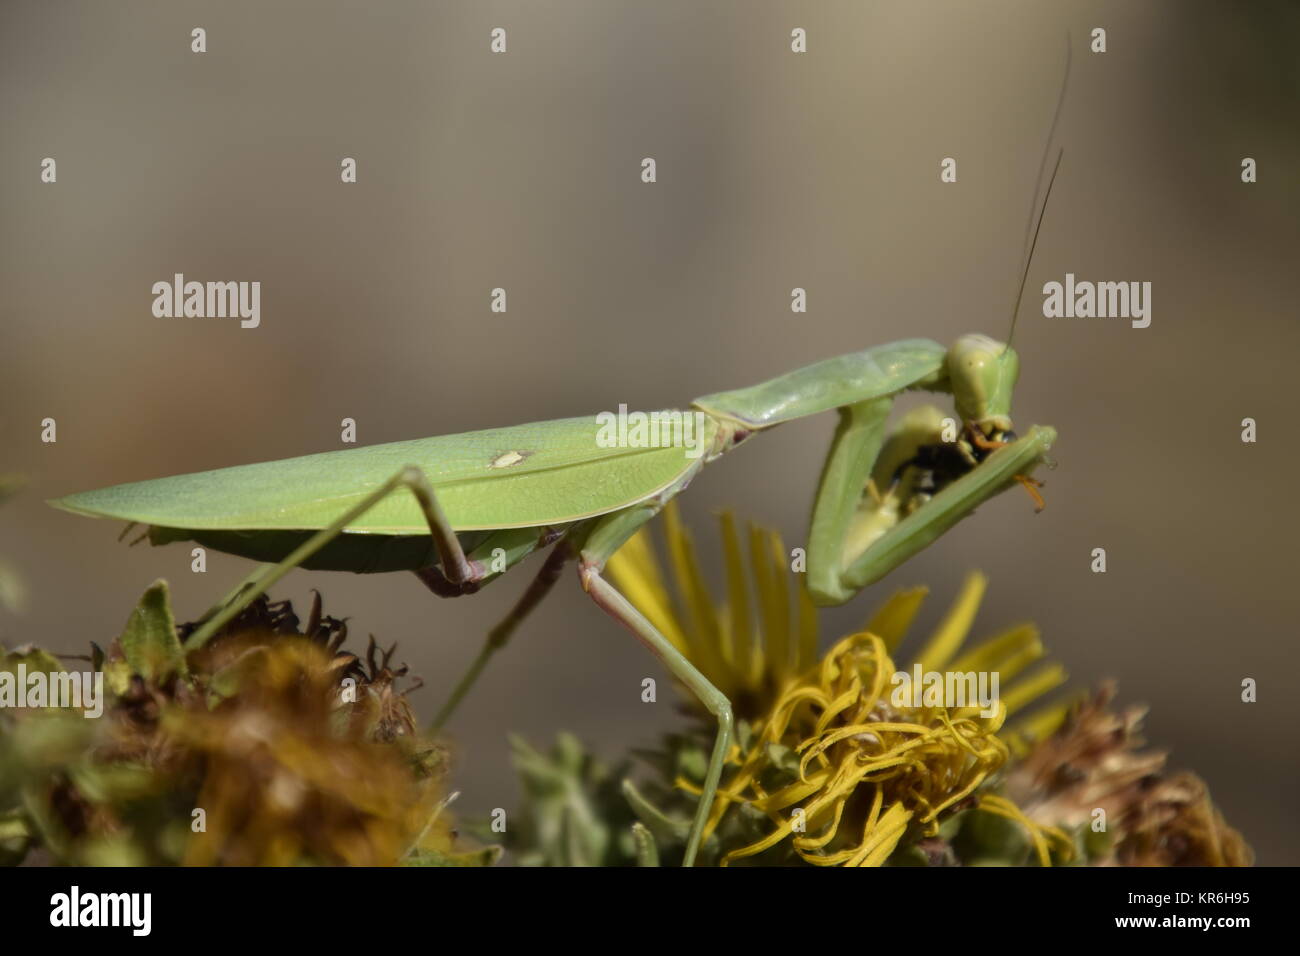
(983, 373)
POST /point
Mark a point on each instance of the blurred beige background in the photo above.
(775, 171)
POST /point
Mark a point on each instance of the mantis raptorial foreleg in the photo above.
(1010, 463)
(853, 452)
(605, 537)
(850, 547)
(458, 569)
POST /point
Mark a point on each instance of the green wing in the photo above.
(524, 476)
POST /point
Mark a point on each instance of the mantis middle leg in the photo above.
(500, 635)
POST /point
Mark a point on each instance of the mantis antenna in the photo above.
(1024, 276)
(1031, 241)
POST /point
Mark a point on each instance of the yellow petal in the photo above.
(952, 631)
(635, 572)
(1045, 679)
(738, 610)
(1000, 653)
(702, 632)
(894, 618)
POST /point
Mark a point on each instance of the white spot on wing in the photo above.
(507, 459)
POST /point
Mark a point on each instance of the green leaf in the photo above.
(114, 850)
(988, 839)
(572, 812)
(692, 761)
(149, 642)
(15, 837)
(117, 677)
(111, 783)
(33, 659)
(488, 856)
(784, 759)
(655, 820)
(647, 854)
(581, 845)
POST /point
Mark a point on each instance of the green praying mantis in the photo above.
(461, 510)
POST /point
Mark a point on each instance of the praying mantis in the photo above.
(461, 510)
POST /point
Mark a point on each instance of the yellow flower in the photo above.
(855, 769)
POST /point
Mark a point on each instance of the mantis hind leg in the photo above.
(604, 538)
(500, 635)
(458, 569)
